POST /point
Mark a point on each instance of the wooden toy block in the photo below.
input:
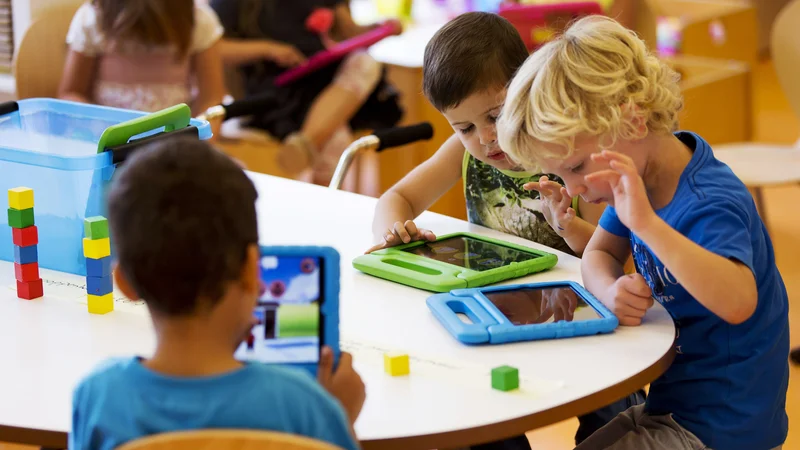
(95, 227)
(26, 272)
(26, 255)
(100, 304)
(25, 237)
(30, 290)
(20, 218)
(96, 248)
(99, 285)
(98, 267)
(395, 364)
(505, 378)
(20, 198)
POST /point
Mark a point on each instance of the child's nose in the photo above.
(488, 136)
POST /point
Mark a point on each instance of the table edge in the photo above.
(521, 425)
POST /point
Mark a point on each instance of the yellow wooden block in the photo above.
(20, 198)
(101, 304)
(96, 249)
(395, 364)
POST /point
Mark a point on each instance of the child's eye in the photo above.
(467, 130)
(493, 119)
(577, 168)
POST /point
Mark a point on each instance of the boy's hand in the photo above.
(556, 202)
(629, 298)
(630, 197)
(403, 233)
(345, 384)
(284, 55)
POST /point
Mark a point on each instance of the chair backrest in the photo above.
(786, 52)
(226, 439)
(41, 53)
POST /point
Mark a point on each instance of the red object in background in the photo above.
(30, 290)
(528, 19)
(26, 272)
(320, 21)
(25, 237)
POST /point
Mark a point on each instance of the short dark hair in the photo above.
(182, 216)
(471, 53)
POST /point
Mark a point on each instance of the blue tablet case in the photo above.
(329, 309)
(490, 326)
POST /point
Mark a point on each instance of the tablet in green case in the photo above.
(454, 261)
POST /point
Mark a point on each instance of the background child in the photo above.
(596, 108)
(144, 55)
(313, 116)
(467, 65)
(169, 201)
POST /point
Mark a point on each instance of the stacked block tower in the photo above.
(26, 241)
(97, 250)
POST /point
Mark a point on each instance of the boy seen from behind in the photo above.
(183, 220)
(597, 109)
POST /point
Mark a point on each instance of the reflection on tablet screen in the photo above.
(547, 305)
(471, 253)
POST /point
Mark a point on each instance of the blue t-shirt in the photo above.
(122, 400)
(728, 382)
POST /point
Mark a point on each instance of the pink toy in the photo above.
(534, 22)
(338, 51)
(320, 21)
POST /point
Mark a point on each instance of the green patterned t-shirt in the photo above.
(496, 199)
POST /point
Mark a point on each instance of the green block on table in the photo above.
(20, 218)
(95, 227)
(505, 378)
(298, 320)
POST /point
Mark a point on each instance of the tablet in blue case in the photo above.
(522, 312)
(298, 312)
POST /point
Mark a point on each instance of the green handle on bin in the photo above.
(172, 118)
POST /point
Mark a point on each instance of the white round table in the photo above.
(49, 344)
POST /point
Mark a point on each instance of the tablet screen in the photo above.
(547, 305)
(288, 327)
(471, 253)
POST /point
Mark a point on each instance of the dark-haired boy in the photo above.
(183, 220)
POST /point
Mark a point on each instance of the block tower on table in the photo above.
(97, 250)
(26, 241)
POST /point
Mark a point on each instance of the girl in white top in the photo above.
(144, 55)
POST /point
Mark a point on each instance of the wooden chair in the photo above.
(39, 61)
(226, 439)
(764, 165)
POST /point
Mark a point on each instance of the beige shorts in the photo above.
(636, 430)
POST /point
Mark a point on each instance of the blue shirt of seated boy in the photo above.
(728, 383)
(123, 400)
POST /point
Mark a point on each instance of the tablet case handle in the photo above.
(447, 307)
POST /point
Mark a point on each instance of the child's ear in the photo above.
(123, 284)
(251, 270)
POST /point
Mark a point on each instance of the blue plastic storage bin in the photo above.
(51, 146)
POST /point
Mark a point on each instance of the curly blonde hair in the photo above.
(597, 79)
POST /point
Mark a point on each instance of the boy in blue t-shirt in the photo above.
(597, 109)
(183, 220)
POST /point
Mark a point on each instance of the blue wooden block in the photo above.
(99, 286)
(26, 255)
(98, 267)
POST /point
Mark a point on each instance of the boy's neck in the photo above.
(188, 347)
(667, 158)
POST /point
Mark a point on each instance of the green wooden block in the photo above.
(95, 227)
(505, 378)
(20, 218)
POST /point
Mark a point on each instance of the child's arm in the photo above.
(78, 78)
(236, 52)
(415, 193)
(207, 68)
(733, 294)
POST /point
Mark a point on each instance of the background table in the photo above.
(49, 344)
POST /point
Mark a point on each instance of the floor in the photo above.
(774, 122)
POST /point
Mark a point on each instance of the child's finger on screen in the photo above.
(411, 227)
(401, 232)
(428, 235)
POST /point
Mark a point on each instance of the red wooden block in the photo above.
(25, 237)
(30, 290)
(27, 272)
